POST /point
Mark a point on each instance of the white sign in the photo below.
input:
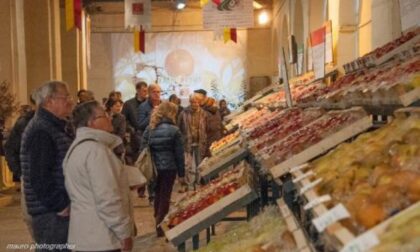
(410, 13)
(310, 186)
(300, 60)
(362, 243)
(303, 176)
(137, 13)
(317, 201)
(298, 168)
(233, 14)
(328, 43)
(335, 214)
(318, 52)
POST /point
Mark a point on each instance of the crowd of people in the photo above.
(70, 159)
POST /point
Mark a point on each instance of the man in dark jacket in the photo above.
(44, 145)
(144, 112)
(129, 110)
(12, 145)
(145, 109)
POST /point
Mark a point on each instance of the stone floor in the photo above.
(14, 231)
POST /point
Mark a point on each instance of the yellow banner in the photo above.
(69, 14)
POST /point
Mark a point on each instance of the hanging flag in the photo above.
(137, 13)
(229, 34)
(78, 13)
(73, 14)
(139, 41)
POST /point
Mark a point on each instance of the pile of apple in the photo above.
(218, 145)
(203, 197)
(376, 175)
(306, 136)
(384, 83)
(290, 121)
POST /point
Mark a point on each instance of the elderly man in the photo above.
(145, 109)
(193, 125)
(44, 145)
(144, 112)
(97, 184)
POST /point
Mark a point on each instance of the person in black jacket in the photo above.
(165, 142)
(129, 110)
(12, 145)
(45, 142)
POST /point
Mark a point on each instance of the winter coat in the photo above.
(119, 124)
(97, 185)
(165, 142)
(184, 123)
(130, 112)
(12, 145)
(144, 112)
(45, 142)
(214, 125)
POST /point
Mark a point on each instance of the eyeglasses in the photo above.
(66, 97)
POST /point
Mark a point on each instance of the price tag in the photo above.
(300, 167)
(310, 186)
(337, 213)
(303, 176)
(362, 243)
(317, 201)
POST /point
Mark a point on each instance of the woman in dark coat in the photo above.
(119, 124)
(165, 142)
(214, 123)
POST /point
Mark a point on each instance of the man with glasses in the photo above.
(45, 142)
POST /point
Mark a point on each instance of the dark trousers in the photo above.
(164, 183)
(50, 229)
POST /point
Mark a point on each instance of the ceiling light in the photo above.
(263, 18)
(180, 4)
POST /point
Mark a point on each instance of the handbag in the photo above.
(145, 163)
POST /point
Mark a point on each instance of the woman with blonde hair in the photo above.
(165, 142)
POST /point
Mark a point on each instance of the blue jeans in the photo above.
(50, 229)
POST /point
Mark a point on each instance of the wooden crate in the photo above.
(410, 97)
(293, 226)
(210, 215)
(336, 233)
(215, 169)
(317, 149)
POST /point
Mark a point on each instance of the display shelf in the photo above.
(410, 97)
(360, 244)
(336, 233)
(212, 171)
(293, 227)
(405, 112)
(210, 215)
(237, 141)
(317, 149)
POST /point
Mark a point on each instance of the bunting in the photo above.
(229, 34)
(73, 14)
(139, 41)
